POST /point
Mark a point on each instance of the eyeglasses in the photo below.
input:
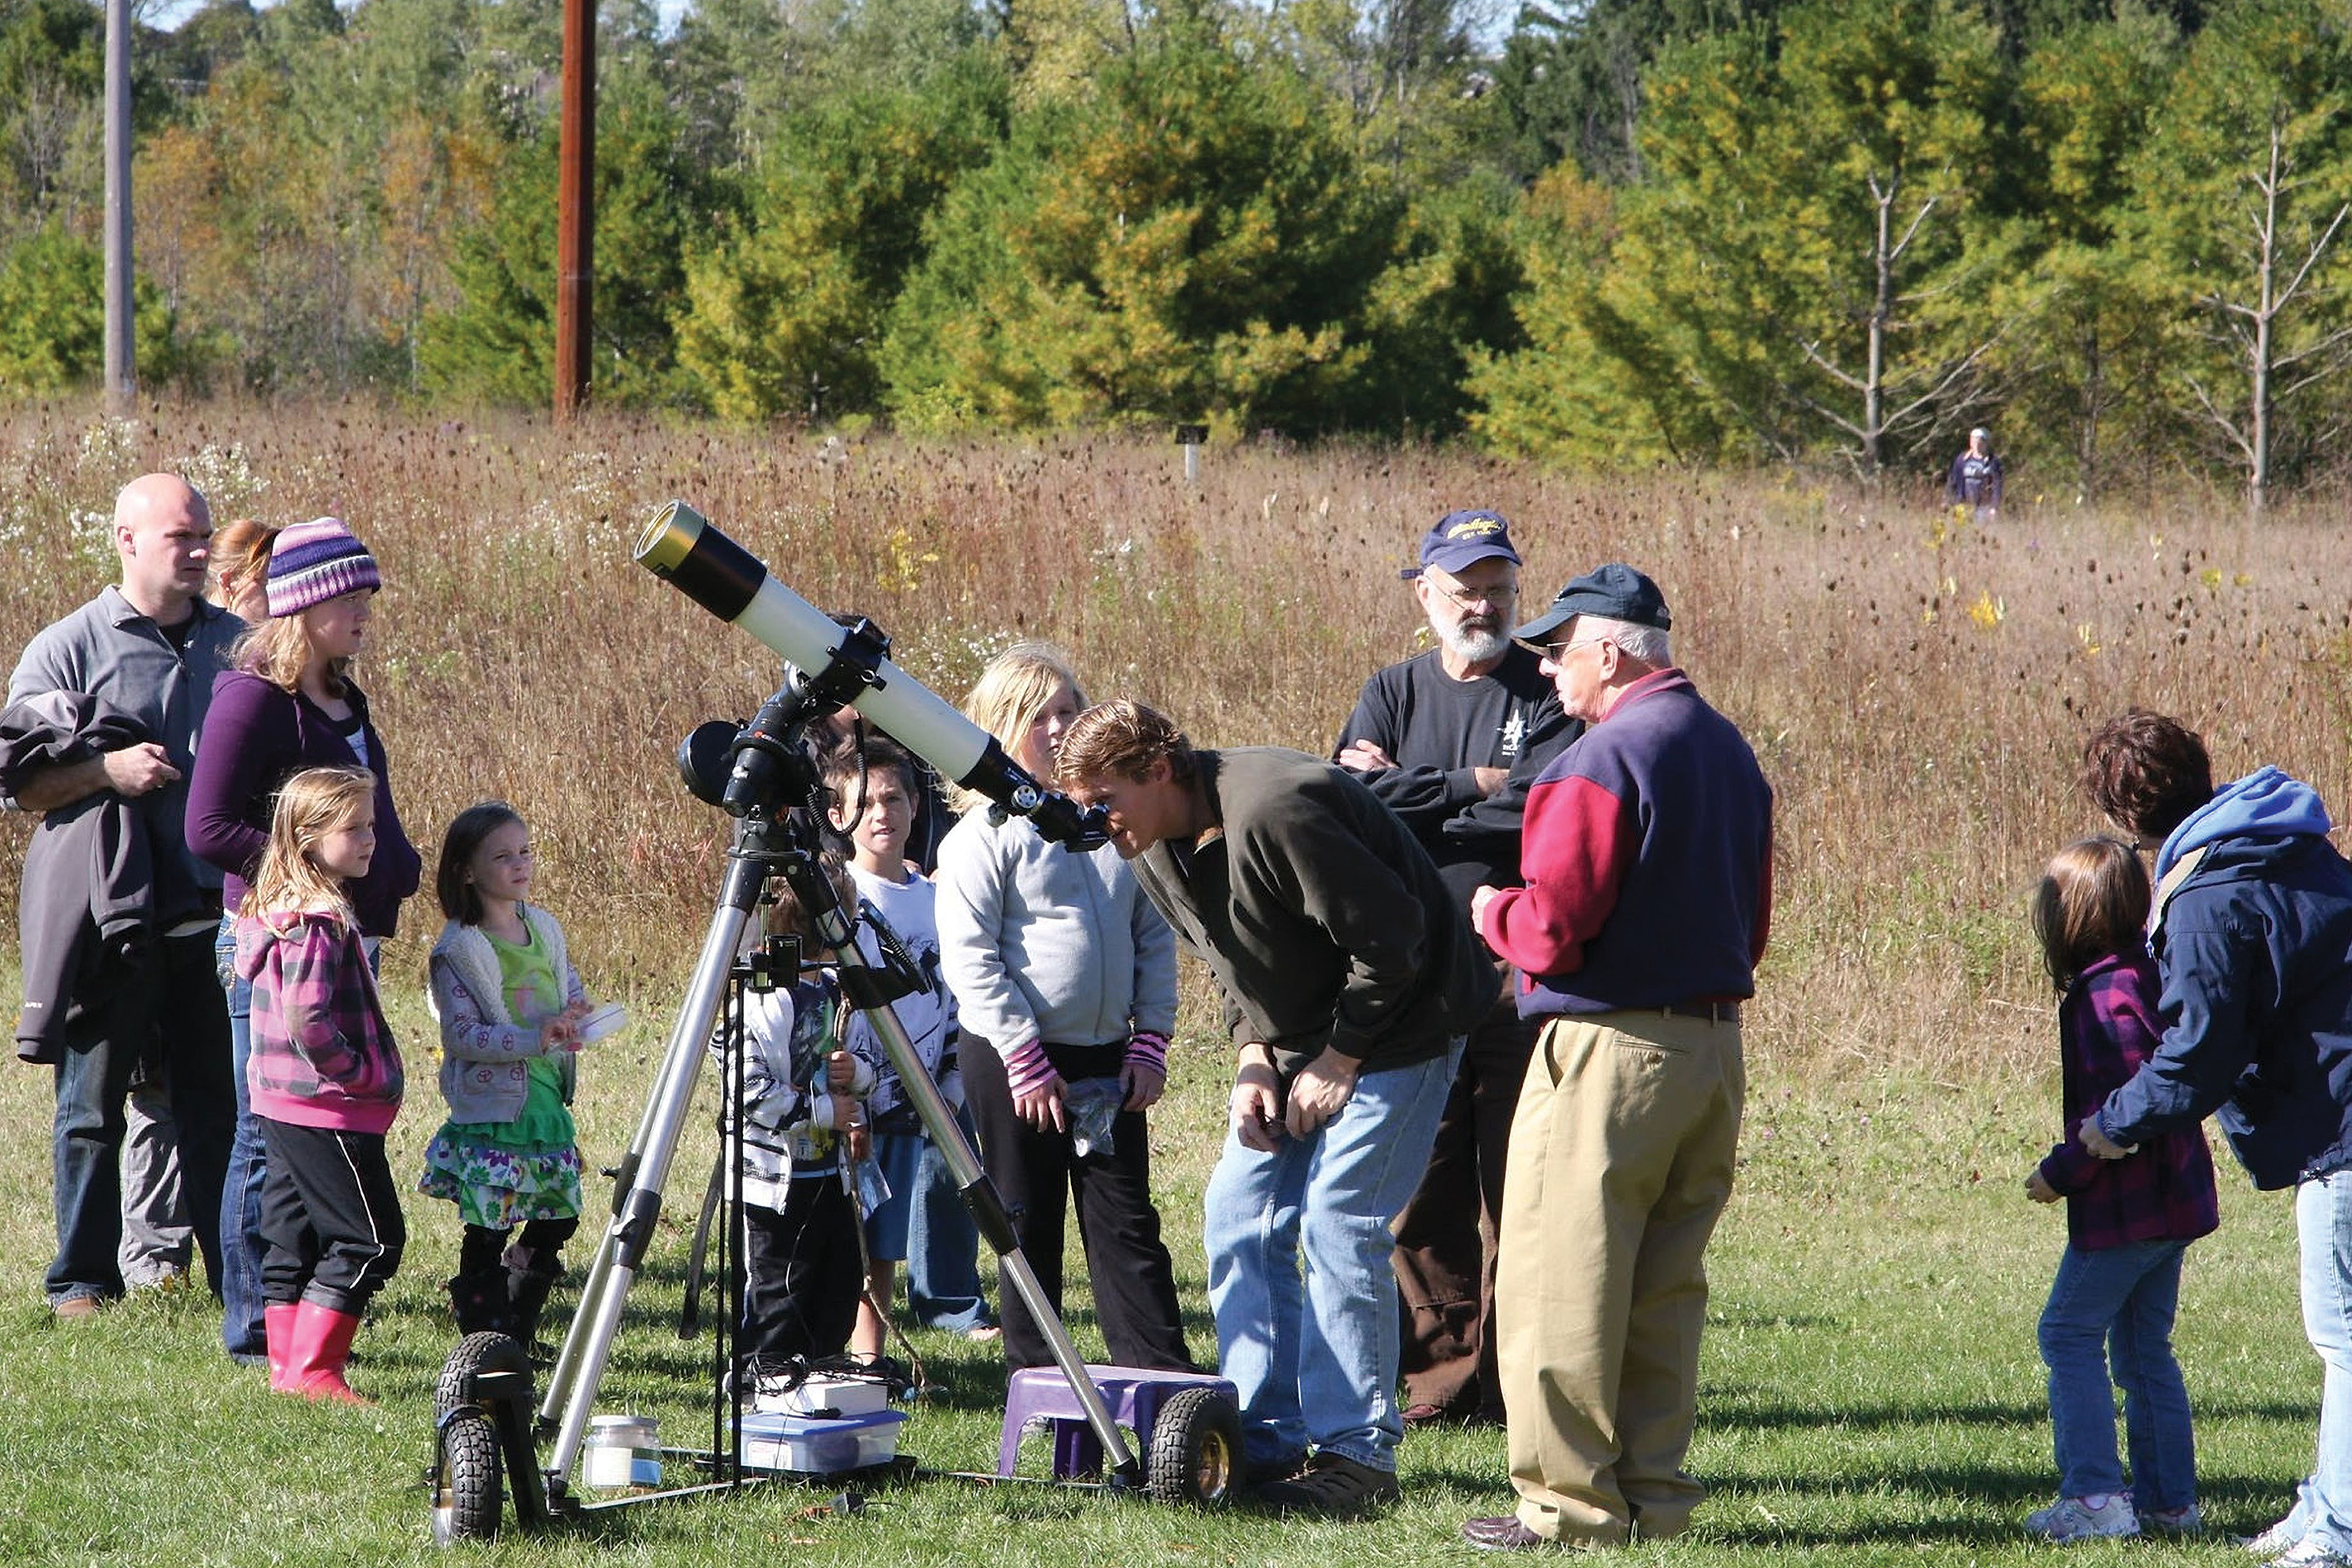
(1469, 598)
(1558, 651)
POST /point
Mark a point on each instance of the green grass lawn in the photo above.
(1871, 1389)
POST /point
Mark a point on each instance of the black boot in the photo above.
(478, 1297)
(529, 1276)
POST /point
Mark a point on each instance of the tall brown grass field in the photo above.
(1916, 686)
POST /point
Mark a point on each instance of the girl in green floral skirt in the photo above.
(510, 1005)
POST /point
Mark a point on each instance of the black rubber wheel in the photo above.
(1194, 1454)
(468, 1498)
(487, 1350)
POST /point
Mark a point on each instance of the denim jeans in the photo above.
(943, 1247)
(2115, 1307)
(240, 1217)
(172, 1003)
(1315, 1361)
(2322, 1225)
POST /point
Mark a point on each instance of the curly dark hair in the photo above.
(2147, 773)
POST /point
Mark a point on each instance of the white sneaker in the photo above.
(2088, 1518)
(2310, 1554)
(2185, 1520)
(2273, 1541)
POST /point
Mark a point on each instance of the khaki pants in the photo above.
(1621, 1163)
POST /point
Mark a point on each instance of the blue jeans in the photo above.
(169, 1006)
(943, 1247)
(2322, 1225)
(240, 1217)
(1317, 1362)
(2115, 1307)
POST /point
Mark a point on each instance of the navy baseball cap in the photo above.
(1614, 592)
(1463, 538)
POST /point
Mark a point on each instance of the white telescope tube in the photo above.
(682, 547)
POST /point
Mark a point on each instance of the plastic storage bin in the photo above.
(820, 1445)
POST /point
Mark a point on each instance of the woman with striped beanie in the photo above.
(289, 704)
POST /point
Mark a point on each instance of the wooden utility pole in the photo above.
(121, 370)
(575, 209)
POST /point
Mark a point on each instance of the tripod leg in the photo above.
(637, 1197)
(863, 982)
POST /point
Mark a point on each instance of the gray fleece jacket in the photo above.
(1038, 944)
(484, 1053)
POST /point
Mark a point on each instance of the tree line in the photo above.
(1615, 233)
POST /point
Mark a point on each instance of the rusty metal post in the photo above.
(575, 209)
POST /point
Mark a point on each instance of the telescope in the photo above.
(483, 1403)
(681, 547)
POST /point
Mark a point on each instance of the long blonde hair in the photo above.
(278, 648)
(1009, 695)
(311, 804)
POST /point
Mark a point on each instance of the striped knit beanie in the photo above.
(314, 561)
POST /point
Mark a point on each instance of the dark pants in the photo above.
(331, 1217)
(171, 1010)
(1034, 1173)
(1445, 1237)
(802, 1273)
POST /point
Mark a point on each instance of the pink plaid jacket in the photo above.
(322, 1054)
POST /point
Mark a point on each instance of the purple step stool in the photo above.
(1135, 1394)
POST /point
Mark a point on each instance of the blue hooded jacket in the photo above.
(2255, 947)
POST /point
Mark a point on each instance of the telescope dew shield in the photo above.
(681, 547)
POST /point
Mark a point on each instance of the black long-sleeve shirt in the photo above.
(1438, 730)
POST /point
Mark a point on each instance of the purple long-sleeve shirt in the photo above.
(256, 735)
(2107, 1025)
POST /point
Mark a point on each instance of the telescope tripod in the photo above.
(482, 1406)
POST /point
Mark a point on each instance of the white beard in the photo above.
(1474, 645)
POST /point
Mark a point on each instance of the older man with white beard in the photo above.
(1450, 741)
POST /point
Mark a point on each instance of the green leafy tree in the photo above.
(1190, 240)
(53, 318)
(2247, 187)
(2082, 364)
(496, 341)
(1444, 298)
(786, 315)
(1809, 243)
(1591, 385)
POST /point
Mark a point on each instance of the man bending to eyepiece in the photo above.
(1349, 978)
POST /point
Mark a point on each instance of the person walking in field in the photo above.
(2252, 935)
(1449, 739)
(1975, 481)
(1647, 860)
(1349, 978)
(2127, 1223)
(127, 681)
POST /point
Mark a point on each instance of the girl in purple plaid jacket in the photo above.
(2127, 1221)
(324, 1078)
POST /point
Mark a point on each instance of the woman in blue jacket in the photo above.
(2252, 936)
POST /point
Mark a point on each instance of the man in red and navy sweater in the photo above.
(1647, 860)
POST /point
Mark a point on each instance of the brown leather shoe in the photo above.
(1504, 1534)
(74, 1307)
